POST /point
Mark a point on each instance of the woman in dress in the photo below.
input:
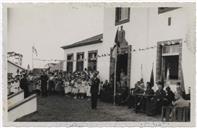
(88, 86)
(66, 86)
(82, 89)
(75, 89)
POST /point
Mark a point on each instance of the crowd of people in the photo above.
(13, 84)
(80, 85)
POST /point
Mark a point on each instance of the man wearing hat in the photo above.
(94, 90)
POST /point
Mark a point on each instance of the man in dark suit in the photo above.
(44, 80)
(94, 90)
(24, 85)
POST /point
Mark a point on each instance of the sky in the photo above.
(48, 28)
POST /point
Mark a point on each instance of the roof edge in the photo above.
(89, 42)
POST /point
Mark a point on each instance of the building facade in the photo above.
(14, 69)
(151, 38)
(16, 58)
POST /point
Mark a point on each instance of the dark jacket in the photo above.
(95, 86)
(170, 96)
(149, 92)
(24, 83)
(44, 79)
(160, 94)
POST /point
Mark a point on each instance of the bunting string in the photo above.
(170, 42)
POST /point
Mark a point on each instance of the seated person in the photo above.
(159, 97)
(178, 91)
(154, 105)
(179, 103)
(141, 104)
(124, 95)
(138, 88)
(149, 90)
(187, 96)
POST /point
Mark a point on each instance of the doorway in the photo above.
(123, 65)
(121, 71)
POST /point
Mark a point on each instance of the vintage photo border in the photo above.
(75, 124)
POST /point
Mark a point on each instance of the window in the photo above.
(80, 58)
(92, 60)
(169, 60)
(166, 9)
(70, 63)
(122, 15)
(169, 21)
(171, 65)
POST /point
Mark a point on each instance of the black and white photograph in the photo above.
(87, 64)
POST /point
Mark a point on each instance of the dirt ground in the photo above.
(64, 108)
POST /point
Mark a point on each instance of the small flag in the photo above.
(28, 67)
(168, 74)
(152, 78)
(162, 79)
(114, 51)
(116, 39)
(34, 50)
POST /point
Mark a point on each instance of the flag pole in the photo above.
(32, 57)
(116, 54)
(115, 77)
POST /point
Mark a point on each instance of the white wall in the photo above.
(137, 36)
(15, 99)
(145, 28)
(24, 109)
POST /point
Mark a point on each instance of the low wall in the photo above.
(15, 98)
(22, 108)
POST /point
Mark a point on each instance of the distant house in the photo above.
(83, 54)
(55, 66)
(13, 68)
(16, 58)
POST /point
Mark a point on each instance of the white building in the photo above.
(16, 58)
(14, 68)
(158, 38)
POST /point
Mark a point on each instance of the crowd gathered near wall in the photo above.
(78, 86)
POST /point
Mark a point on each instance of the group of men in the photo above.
(151, 102)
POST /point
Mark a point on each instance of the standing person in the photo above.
(88, 94)
(51, 84)
(94, 90)
(44, 79)
(82, 89)
(24, 85)
(66, 86)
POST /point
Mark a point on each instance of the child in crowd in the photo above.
(66, 86)
(82, 89)
(75, 89)
(88, 86)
